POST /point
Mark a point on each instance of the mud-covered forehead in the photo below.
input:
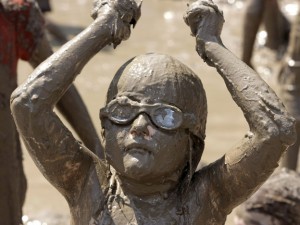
(161, 78)
(153, 83)
(158, 77)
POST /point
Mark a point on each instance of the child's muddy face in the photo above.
(147, 138)
(141, 148)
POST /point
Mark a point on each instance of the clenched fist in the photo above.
(205, 21)
(124, 13)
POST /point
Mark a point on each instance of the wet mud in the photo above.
(160, 29)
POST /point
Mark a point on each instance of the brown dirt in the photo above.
(160, 29)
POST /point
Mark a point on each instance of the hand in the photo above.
(124, 13)
(206, 23)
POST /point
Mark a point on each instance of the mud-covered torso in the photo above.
(10, 154)
(8, 133)
(122, 209)
(21, 29)
(118, 209)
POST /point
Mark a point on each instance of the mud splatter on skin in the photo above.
(163, 188)
(22, 37)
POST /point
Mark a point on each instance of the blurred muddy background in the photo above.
(160, 29)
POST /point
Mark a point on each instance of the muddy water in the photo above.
(160, 29)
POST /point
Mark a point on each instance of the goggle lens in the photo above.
(165, 117)
(121, 114)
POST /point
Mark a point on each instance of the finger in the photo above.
(195, 18)
(129, 11)
(121, 32)
(126, 32)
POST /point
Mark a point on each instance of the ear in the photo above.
(104, 122)
(103, 133)
(105, 125)
(196, 149)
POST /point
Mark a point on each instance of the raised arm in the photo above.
(244, 168)
(52, 146)
(71, 104)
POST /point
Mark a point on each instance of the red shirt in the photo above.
(21, 28)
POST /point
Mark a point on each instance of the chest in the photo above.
(117, 208)
(123, 211)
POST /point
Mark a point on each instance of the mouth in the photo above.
(137, 148)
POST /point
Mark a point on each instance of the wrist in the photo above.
(103, 26)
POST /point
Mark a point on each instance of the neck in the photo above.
(162, 187)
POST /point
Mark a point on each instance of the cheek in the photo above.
(179, 141)
(114, 148)
(173, 149)
(114, 141)
(114, 134)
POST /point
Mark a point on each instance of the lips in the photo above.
(137, 148)
(137, 151)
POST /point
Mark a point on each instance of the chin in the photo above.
(137, 170)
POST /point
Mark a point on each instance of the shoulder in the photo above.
(203, 198)
(208, 182)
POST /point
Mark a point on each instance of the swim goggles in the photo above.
(123, 110)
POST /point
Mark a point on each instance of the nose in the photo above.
(140, 126)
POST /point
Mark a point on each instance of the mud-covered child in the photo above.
(153, 128)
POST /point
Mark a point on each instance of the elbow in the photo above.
(23, 106)
(19, 102)
(281, 130)
(288, 133)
